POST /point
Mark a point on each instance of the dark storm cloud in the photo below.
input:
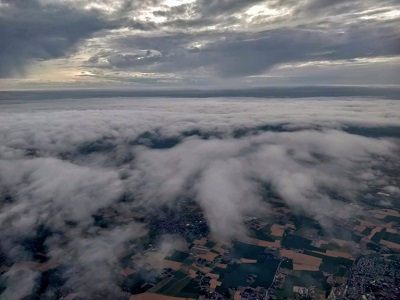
(32, 31)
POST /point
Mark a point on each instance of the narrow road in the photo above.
(277, 269)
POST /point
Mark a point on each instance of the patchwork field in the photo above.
(302, 261)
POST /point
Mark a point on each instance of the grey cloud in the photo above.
(165, 247)
(119, 60)
(327, 7)
(227, 193)
(205, 38)
(19, 283)
(91, 261)
(249, 55)
(217, 8)
(53, 192)
(243, 54)
(33, 31)
(49, 194)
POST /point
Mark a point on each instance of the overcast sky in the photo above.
(207, 43)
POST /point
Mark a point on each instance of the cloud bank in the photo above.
(63, 162)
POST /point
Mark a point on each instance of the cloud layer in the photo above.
(64, 161)
(199, 42)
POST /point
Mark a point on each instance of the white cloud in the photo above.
(64, 160)
(49, 191)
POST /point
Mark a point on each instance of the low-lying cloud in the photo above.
(63, 162)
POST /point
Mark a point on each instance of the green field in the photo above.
(287, 264)
(298, 242)
(261, 235)
(332, 246)
(378, 236)
(191, 290)
(178, 283)
(178, 256)
(391, 237)
(236, 275)
(209, 244)
(286, 292)
(330, 264)
(308, 278)
(367, 231)
(177, 287)
(389, 219)
(244, 250)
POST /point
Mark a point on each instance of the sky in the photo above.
(198, 43)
